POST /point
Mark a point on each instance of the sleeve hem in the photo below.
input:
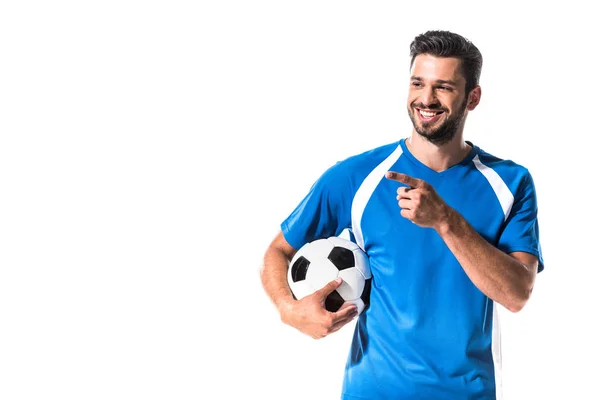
(287, 235)
(529, 250)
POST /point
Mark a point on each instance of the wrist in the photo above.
(444, 224)
(284, 306)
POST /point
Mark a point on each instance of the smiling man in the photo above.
(438, 103)
(450, 230)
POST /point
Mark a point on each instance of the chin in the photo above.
(425, 134)
(426, 131)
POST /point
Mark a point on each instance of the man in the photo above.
(450, 230)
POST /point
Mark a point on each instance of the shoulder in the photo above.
(364, 162)
(516, 176)
(347, 173)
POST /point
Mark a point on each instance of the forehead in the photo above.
(429, 67)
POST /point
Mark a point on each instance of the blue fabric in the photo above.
(428, 330)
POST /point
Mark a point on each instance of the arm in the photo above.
(308, 314)
(506, 279)
(273, 273)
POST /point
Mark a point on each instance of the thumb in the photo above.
(329, 288)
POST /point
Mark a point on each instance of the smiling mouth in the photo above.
(427, 115)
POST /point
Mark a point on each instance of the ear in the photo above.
(474, 98)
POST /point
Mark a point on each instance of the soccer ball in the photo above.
(321, 261)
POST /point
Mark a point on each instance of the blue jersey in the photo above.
(429, 332)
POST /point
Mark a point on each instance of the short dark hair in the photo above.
(448, 44)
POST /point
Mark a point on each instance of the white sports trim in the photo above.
(505, 197)
(364, 192)
(497, 352)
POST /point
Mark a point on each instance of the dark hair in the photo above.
(448, 44)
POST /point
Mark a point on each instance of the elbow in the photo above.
(519, 300)
(515, 307)
(263, 270)
(521, 288)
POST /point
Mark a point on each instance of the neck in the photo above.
(438, 158)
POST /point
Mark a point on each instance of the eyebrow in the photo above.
(440, 81)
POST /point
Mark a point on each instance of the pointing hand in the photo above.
(418, 201)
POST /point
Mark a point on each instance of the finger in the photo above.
(347, 311)
(403, 178)
(403, 192)
(346, 305)
(338, 325)
(405, 204)
(329, 288)
(408, 214)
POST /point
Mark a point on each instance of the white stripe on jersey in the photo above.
(505, 197)
(497, 351)
(506, 200)
(364, 192)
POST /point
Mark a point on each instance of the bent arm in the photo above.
(273, 272)
(506, 279)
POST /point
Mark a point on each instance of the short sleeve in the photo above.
(324, 211)
(521, 230)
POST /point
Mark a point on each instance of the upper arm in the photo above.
(280, 244)
(323, 212)
(520, 234)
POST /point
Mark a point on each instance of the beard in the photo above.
(445, 132)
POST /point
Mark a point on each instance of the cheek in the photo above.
(411, 99)
(457, 102)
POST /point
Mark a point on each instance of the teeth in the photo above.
(427, 113)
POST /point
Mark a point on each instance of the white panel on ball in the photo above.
(354, 284)
(321, 272)
(362, 263)
(317, 250)
(301, 289)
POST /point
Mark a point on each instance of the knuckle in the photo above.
(329, 321)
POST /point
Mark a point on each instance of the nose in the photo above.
(428, 97)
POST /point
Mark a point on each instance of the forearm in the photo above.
(274, 278)
(499, 276)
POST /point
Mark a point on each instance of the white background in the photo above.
(149, 151)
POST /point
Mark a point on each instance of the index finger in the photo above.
(403, 178)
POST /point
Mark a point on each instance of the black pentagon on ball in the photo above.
(299, 269)
(334, 301)
(341, 257)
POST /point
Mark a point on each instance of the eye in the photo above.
(446, 88)
(417, 84)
